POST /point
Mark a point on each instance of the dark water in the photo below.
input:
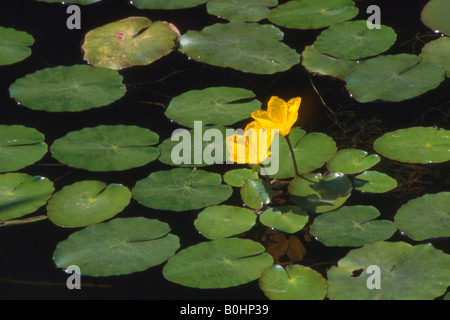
(26, 267)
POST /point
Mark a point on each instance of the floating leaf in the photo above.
(220, 263)
(167, 4)
(87, 202)
(313, 14)
(437, 51)
(118, 247)
(256, 193)
(352, 227)
(374, 182)
(415, 145)
(293, 283)
(14, 46)
(289, 219)
(403, 268)
(224, 221)
(238, 177)
(351, 161)
(20, 147)
(181, 190)
(435, 16)
(426, 217)
(68, 89)
(218, 105)
(323, 64)
(130, 42)
(393, 78)
(248, 47)
(107, 148)
(241, 10)
(21, 194)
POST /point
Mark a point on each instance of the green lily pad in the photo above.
(393, 78)
(317, 194)
(86, 203)
(313, 14)
(241, 10)
(248, 47)
(435, 16)
(20, 147)
(224, 221)
(256, 194)
(238, 177)
(68, 89)
(374, 182)
(351, 161)
(426, 217)
(130, 42)
(437, 51)
(421, 145)
(118, 247)
(167, 4)
(21, 194)
(181, 189)
(218, 105)
(221, 263)
(289, 219)
(14, 45)
(353, 40)
(107, 148)
(296, 282)
(403, 267)
(353, 226)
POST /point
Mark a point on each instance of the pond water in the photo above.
(26, 265)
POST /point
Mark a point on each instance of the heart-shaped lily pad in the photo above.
(241, 10)
(256, 193)
(238, 177)
(107, 148)
(435, 16)
(437, 51)
(167, 4)
(118, 247)
(351, 161)
(14, 45)
(374, 182)
(289, 219)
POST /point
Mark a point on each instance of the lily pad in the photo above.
(218, 105)
(181, 189)
(248, 47)
(68, 89)
(374, 182)
(353, 40)
(21, 194)
(296, 282)
(221, 263)
(426, 217)
(14, 45)
(224, 221)
(317, 194)
(238, 177)
(241, 10)
(289, 219)
(167, 4)
(393, 78)
(403, 267)
(86, 203)
(437, 51)
(118, 247)
(20, 147)
(351, 161)
(352, 226)
(130, 42)
(435, 16)
(421, 145)
(107, 148)
(313, 14)
(256, 194)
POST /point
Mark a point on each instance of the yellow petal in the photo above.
(236, 145)
(277, 109)
(293, 107)
(262, 118)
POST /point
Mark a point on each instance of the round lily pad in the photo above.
(21, 194)
(241, 10)
(352, 226)
(218, 105)
(107, 148)
(256, 193)
(420, 145)
(374, 182)
(167, 4)
(435, 16)
(248, 47)
(437, 51)
(130, 42)
(118, 247)
(20, 147)
(86, 203)
(353, 40)
(289, 219)
(296, 282)
(393, 78)
(403, 268)
(14, 45)
(181, 189)
(68, 89)
(224, 221)
(220, 263)
(313, 14)
(426, 217)
(351, 161)
(238, 177)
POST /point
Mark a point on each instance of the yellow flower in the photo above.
(280, 115)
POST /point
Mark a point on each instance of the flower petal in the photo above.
(278, 110)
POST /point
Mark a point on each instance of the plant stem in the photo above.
(22, 221)
(293, 156)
